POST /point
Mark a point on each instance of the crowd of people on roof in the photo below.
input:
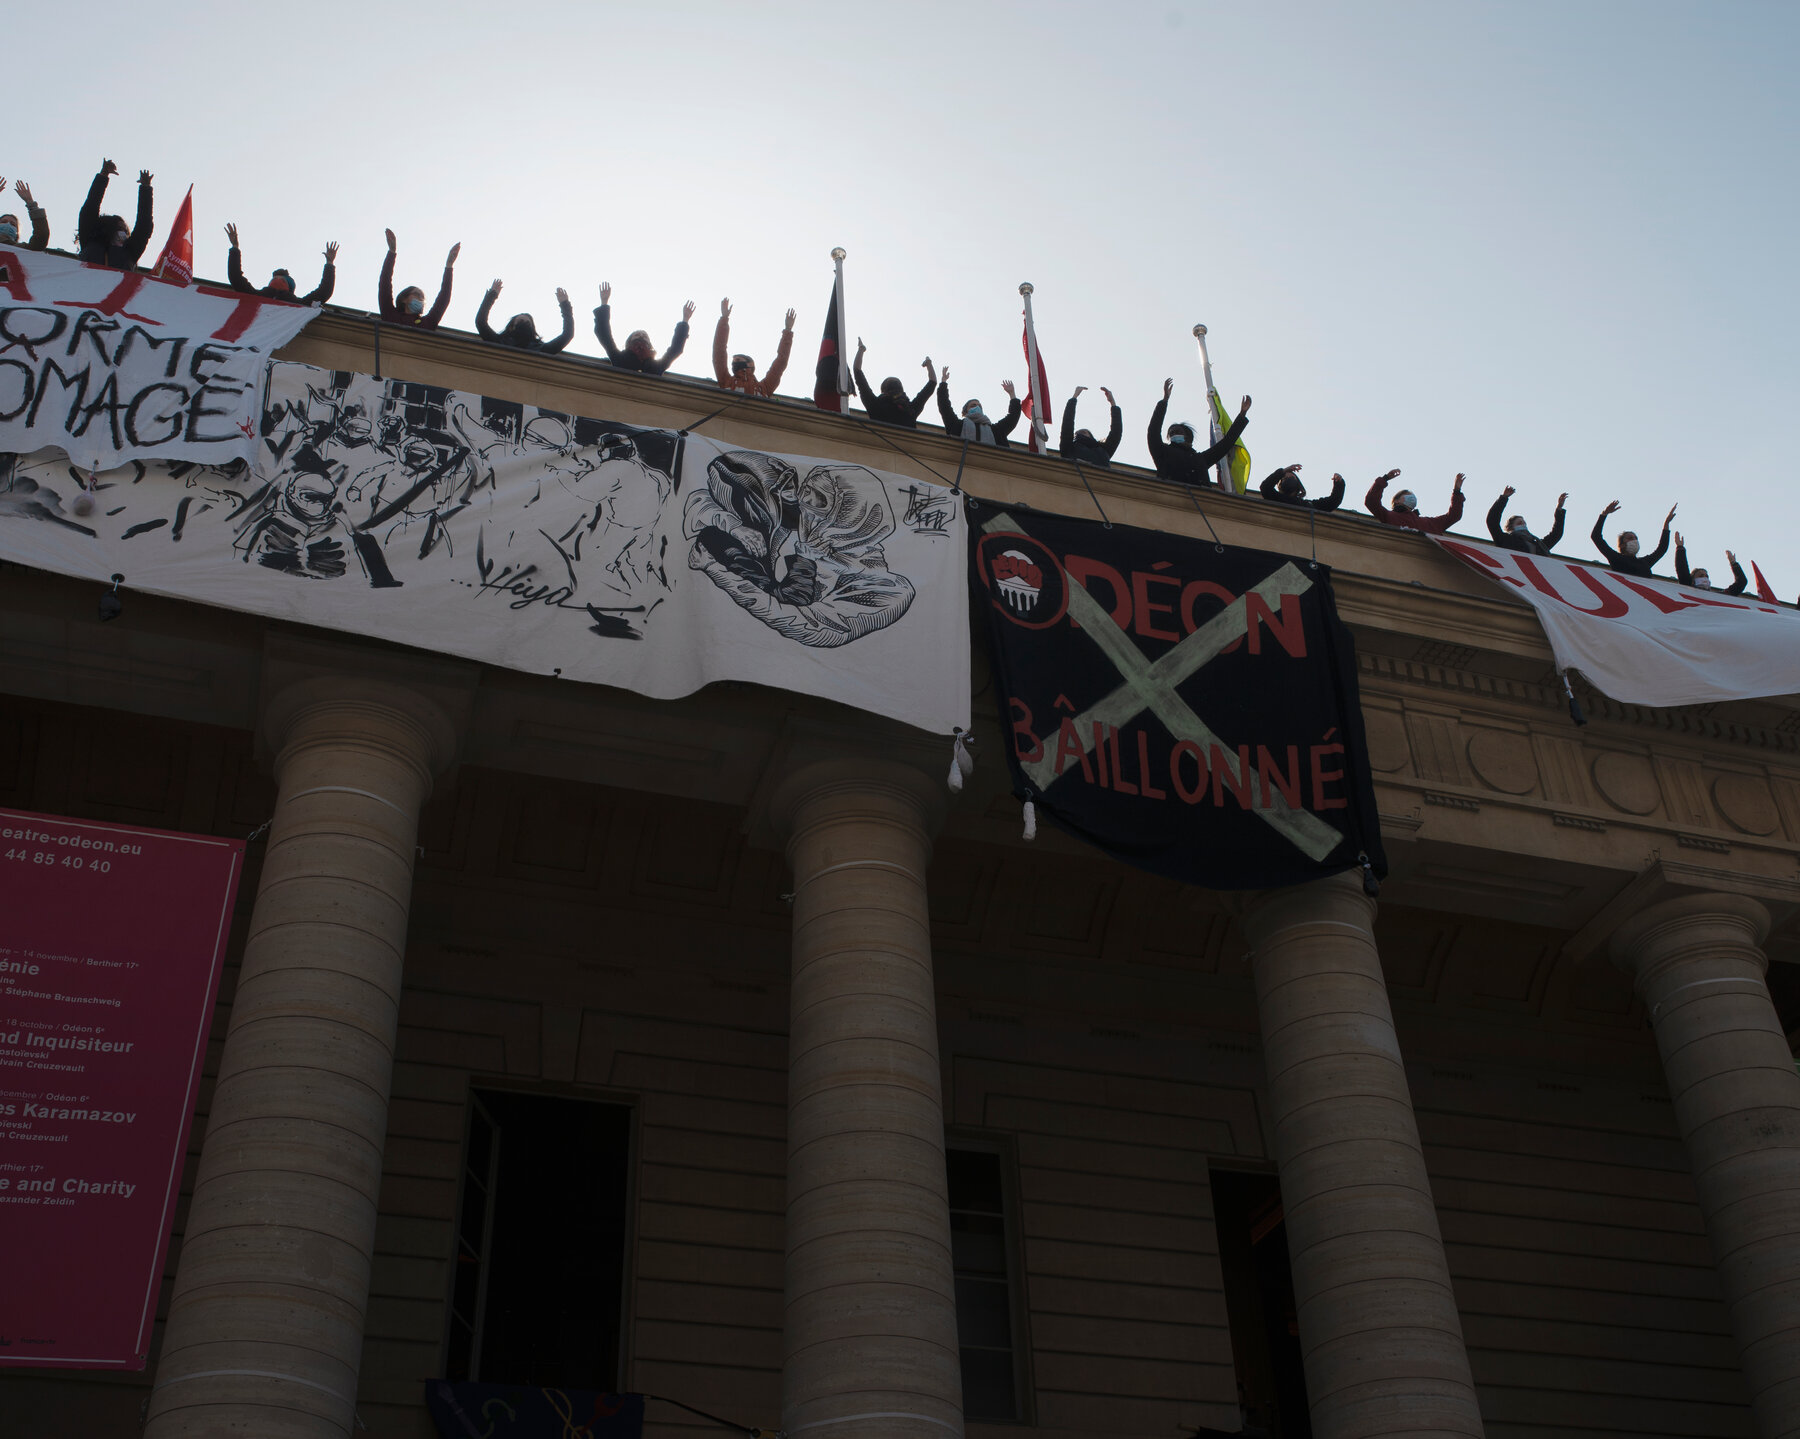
(109, 240)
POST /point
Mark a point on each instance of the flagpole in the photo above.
(1040, 436)
(843, 381)
(1212, 412)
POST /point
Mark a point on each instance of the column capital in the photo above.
(1689, 924)
(887, 765)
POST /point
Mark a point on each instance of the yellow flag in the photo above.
(1240, 457)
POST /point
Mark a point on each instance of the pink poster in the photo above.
(111, 941)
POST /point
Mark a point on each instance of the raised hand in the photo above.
(1391, 475)
(331, 253)
(724, 309)
(562, 295)
(1168, 388)
(1681, 544)
(687, 311)
(145, 177)
(231, 235)
(1560, 498)
(861, 349)
(1011, 393)
(1459, 482)
(393, 244)
(1244, 408)
(1294, 469)
(605, 293)
(943, 374)
(1109, 395)
(494, 289)
(108, 168)
(455, 250)
(1671, 516)
(1080, 388)
(790, 321)
(24, 191)
(1508, 493)
(1609, 509)
(1728, 554)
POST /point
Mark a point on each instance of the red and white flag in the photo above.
(1648, 641)
(1764, 590)
(1037, 395)
(177, 262)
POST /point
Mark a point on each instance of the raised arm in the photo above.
(603, 323)
(435, 315)
(1607, 552)
(721, 339)
(1015, 407)
(1494, 514)
(140, 232)
(952, 421)
(88, 223)
(1663, 548)
(327, 278)
(1455, 512)
(1212, 454)
(1154, 438)
(1554, 538)
(1066, 440)
(1683, 574)
(783, 348)
(40, 222)
(1271, 484)
(1334, 499)
(234, 263)
(1115, 432)
(917, 404)
(568, 324)
(862, 380)
(677, 343)
(1373, 502)
(384, 289)
(482, 327)
(1739, 583)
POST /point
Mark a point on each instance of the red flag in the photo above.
(1763, 591)
(1037, 392)
(827, 392)
(177, 262)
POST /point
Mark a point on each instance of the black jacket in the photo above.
(994, 432)
(1182, 464)
(625, 361)
(548, 347)
(234, 271)
(1271, 490)
(891, 412)
(1642, 565)
(1739, 581)
(1524, 544)
(94, 245)
(1100, 452)
(40, 227)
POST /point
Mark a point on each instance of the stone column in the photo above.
(1379, 1330)
(869, 1348)
(265, 1329)
(1698, 968)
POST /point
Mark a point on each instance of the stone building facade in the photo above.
(831, 1106)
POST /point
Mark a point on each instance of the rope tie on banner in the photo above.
(1371, 885)
(962, 762)
(752, 1430)
(1574, 704)
(1218, 544)
(1030, 818)
(1090, 489)
(687, 430)
(1312, 533)
(892, 445)
(956, 489)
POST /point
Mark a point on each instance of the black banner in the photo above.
(1189, 708)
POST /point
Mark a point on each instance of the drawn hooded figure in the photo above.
(801, 553)
(521, 331)
(972, 423)
(1517, 534)
(107, 239)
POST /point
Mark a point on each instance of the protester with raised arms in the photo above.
(409, 307)
(1517, 534)
(1700, 580)
(521, 330)
(973, 424)
(107, 239)
(40, 222)
(1285, 488)
(741, 375)
(281, 284)
(1176, 458)
(639, 354)
(1080, 445)
(1405, 512)
(1626, 558)
(891, 404)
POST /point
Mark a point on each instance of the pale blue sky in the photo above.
(1547, 244)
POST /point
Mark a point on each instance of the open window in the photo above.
(982, 1245)
(537, 1287)
(1259, 1304)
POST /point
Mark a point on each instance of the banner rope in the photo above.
(1096, 499)
(752, 1430)
(1218, 544)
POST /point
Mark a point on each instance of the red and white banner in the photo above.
(111, 940)
(1649, 641)
(111, 366)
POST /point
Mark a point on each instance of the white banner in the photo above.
(110, 365)
(539, 541)
(1649, 641)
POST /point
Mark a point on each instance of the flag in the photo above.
(1764, 591)
(1239, 458)
(1037, 390)
(831, 375)
(177, 261)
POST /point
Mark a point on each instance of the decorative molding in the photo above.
(1451, 801)
(1694, 841)
(1576, 821)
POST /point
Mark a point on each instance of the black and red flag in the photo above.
(1187, 707)
(831, 380)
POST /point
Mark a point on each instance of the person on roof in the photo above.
(1405, 512)
(1700, 580)
(408, 308)
(281, 284)
(40, 222)
(1284, 487)
(107, 239)
(741, 376)
(1627, 559)
(891, 404)
(1517, 534)
(521, 330)
(1176, 459)
(972, 422)
(1080, 445)
(639, 354)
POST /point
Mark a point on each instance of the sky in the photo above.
(1547, 244)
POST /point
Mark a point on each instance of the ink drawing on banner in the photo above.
(538, 540)
(1188, 708)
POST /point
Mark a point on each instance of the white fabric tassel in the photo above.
(1030, 821)
(962, 763)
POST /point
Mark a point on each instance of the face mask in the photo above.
(415, 307)
(1628, 545)
(975, 413)
(9, 233)
(1516, 527)
(1406, 500)
(1702, 580)
(1178, 437)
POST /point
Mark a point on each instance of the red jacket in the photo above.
(1408, 520)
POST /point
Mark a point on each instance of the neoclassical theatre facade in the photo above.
(713, 1050)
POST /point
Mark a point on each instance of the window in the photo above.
(982, 1253)
(537, 1288)
(1259, 1303)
